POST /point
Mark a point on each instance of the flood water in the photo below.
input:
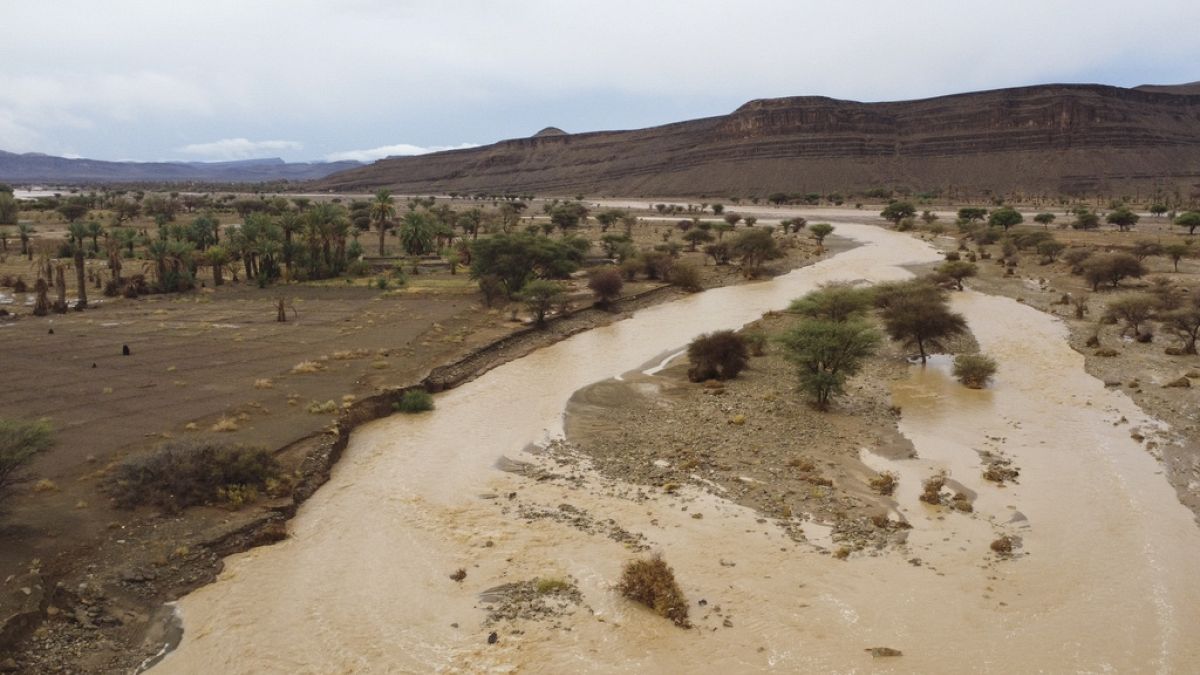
(1104, 579)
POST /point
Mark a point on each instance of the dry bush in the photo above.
(606, 283)
(307, 367)
(932, 489)
(225, 424)
(885, 483)
(187, 472)
(319, 408)
(651, 582)
(263, 383)
(717, 356)
(687, 277)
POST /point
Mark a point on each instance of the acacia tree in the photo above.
(1176, 252)
(1134, 309)
(1111, 268)
(1123, 218)
(383, 209)
(755, 247)
(539, 296)
(958, 270)
(898, 211)
(1005, 217)
(837, 302)
(1190, 220)
(1184, 322)
(826, 353)
(1044, 219)
(922, 319)
(819, 231)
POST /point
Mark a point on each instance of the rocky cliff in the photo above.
(1041, 140)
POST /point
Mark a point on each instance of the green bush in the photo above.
(974, 370)
(20, 441)
(415, 401)
(187, 472)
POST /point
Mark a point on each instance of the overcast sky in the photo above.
(303, 80)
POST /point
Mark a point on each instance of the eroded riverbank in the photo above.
(362, 582)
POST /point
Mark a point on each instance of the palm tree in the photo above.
(290, 222)
(94, 230)
(23, 231)
(217, 257)
(383, 209)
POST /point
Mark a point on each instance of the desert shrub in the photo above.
(415, 401)
(657, 264)
(1050, 250)
(358, 268)
(20, 442)
(756, 342)
(974, 370)
(717, 356)
(952, 256)
(651, 582)
(606, 283)
(630, 267)
(826, 353)
(833, 302)
(187, 472)
(687, 277)
(1076, 257)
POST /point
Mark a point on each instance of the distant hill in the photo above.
(39, 168)
(1048, 139)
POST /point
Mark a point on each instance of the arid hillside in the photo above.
(1049, 139)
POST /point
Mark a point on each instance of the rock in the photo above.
(1106, 352)
(727, 623)
(493, 638)
(9, 665)
(137, 576)
(881, 652)
(1181, 383)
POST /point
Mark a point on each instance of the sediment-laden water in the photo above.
(1104, 579)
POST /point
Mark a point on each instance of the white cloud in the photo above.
(398, 150)
(239, 148)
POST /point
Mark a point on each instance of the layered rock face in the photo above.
(1051, 139)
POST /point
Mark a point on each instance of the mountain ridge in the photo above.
(41, 168)
(1056, 138)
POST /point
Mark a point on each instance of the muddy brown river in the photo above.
(1105, 579)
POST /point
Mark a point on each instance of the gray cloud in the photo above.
(142, 78)
(398, 150)
(239, 148)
